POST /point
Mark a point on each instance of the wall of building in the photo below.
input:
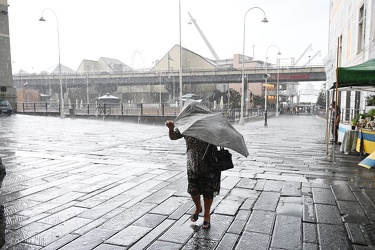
(346, 48)
(7, 91)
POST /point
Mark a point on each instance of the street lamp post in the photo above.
(243, 61)
(159, 89)
(180, 75)
(277, 88)
(62, 115)
(87, 86)
(265, 85)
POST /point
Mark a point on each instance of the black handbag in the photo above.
(219, 160)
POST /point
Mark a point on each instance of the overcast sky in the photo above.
(138, 32)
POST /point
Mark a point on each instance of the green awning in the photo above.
(357, 77)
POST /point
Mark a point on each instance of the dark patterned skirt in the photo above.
(204, 183)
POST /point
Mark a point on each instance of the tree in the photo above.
(321, 101)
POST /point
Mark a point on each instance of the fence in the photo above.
(139, 109)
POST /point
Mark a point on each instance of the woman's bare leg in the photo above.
(197, 201)
(207, 208)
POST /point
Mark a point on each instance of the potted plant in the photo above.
(354, 123)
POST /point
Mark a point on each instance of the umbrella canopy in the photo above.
(357, 77)
(198, 121)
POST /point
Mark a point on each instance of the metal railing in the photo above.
(134, 109)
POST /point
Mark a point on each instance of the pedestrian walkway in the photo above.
(109, 185)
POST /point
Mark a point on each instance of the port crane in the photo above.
(192, 20)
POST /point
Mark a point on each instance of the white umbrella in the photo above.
(197, 121)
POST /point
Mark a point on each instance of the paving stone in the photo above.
(39, 208)
(291, 189)
(260, 184)
(128, 216)
(248, 204)
(352, 212)
(158, 245)
(200, 243)
(310, 246)
(273, 186)
(355, 233)
(370, 194)
(254, 241)
(159, 196)
(219, 225)
(48, 236)
(308, 210)
(105, 207)
(247, 183)
(366, 205)
(24, 246)
(149, 238)
(342, 193)
(267, 201)
(309, 233)
(327, 214)
(369, 231)
(229, 182)
(281, 177)
(179, 234)
(332, 237)
(323, 196)
(108, 247)
(149, 220)
(228, 242)
(287, 233)
(261, 222)
(64, 215)
(90, 226)
(128, 236)
(89, 240)
(290, 209)
(242, 193)
(179, 212)
(291, 199)
(237, 227)
(169, 206)
(20, 235)
(228, 207)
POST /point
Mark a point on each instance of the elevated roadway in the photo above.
(39, 81)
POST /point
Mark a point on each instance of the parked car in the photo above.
(5, 107)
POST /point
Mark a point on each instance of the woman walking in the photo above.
(202, 179)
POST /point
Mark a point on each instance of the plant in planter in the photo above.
(371, 113)
(354, 123)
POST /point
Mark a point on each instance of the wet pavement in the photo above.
(108, 185)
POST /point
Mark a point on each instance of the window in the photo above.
(361, 29)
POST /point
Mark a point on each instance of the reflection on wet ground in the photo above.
(97, 184)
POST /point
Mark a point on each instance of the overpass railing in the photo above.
(119, 110)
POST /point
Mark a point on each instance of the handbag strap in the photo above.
(205, 152)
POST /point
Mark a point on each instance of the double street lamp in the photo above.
(243, 61)
(58, 45)
(265, 84)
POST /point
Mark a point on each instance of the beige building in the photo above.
(351, 42)
(7, 91)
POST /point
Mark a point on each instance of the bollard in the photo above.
(72, 112)
(265, 118)
(2, 215)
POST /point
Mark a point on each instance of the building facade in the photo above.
(351, 42)
(7, 91)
